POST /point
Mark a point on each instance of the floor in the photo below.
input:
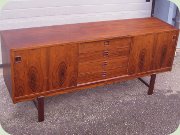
(120, 109)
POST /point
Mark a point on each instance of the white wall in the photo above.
(35, 13)
(166, 11)
(161, 9)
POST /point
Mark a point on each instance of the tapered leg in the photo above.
(152, 83)
(39, 103)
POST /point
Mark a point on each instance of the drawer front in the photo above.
(117, 72)
(103, 59)
(91, 77)
(103, 54)
(104, 45)
(103, 64)
(98, 76)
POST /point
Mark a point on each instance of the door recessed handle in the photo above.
(18, 59)
(174, 37)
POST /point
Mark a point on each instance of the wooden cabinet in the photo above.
(52, 60)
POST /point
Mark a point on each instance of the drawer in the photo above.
(91, 47)
(101, 65)
(97, 76)
(107, 53)
(117, 72)
(91, 77)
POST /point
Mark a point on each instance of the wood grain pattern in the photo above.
(83, 86)
(103, 59)
(63, 68)
(104, 54)
(82, 32)
(60, 59)
(30, 73)
(101, 75)
(109, 44)
(141, 55)
(165, 49)
(33, 78)
(101, 65)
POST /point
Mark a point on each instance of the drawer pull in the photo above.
(106, 42)
(104, 74)
(105, 63)
(18, 59)
(106, 53)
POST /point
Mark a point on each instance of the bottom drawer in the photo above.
(96, 76)
(117, 72)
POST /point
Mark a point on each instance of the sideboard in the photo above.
(47, 61)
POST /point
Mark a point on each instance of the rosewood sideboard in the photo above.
(47, 61)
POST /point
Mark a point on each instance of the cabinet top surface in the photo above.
(82, 32)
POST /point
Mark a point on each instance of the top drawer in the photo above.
(104, 45)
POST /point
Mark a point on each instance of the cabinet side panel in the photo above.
(6, 66)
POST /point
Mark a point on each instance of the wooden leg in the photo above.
(39, 103)
(151, 84)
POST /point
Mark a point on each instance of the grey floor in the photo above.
(120, 109)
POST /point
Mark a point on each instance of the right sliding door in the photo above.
(164, 51)
(152, 51)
